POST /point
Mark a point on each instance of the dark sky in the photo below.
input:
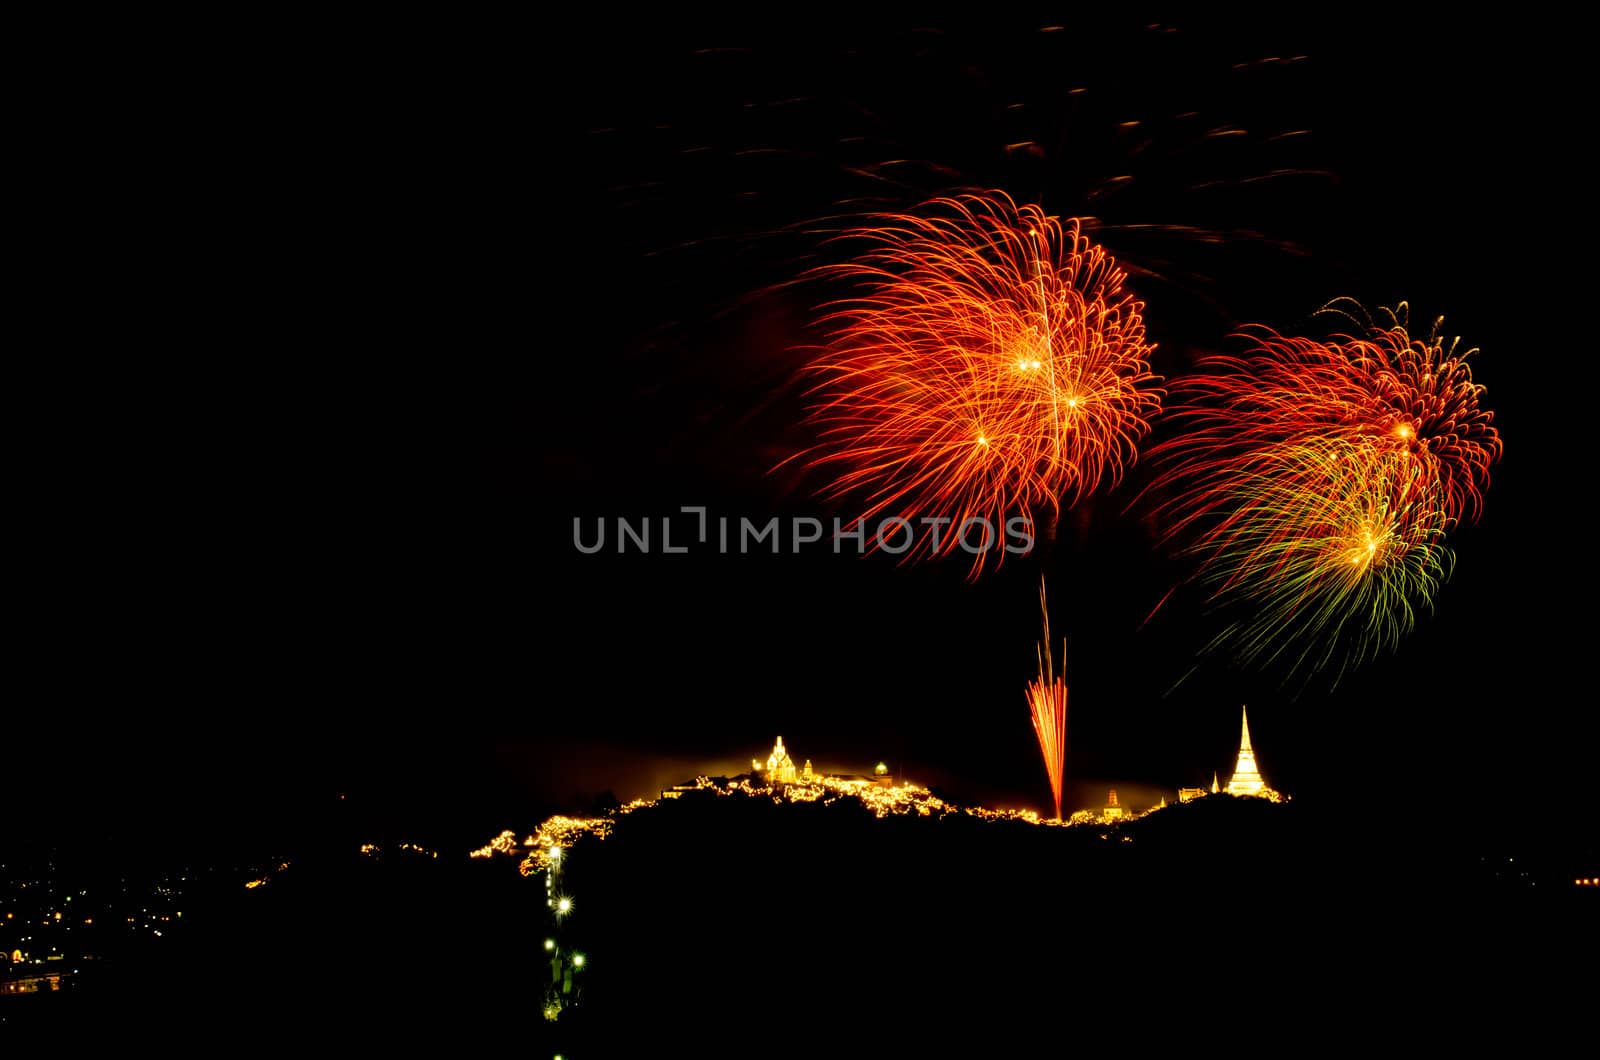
(348, 342)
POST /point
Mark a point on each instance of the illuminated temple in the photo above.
(1246, 779)
(780, 767)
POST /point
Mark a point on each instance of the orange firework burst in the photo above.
(1318, 479)
(1047, 701)
(1415, 399)
(990, 367)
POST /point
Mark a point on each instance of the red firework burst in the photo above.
(1316, 481)
(990, 366)
(1416, 397)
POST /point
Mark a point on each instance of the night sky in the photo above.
(358, 343)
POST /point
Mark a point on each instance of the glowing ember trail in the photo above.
(1047, 700)
(989, 367)
(1316, 481)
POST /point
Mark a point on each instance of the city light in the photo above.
(504, 843)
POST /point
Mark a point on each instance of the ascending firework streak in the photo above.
(1047, 700)
(1316, 483)
(990, 367)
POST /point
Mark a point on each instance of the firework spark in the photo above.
(1316, 481)
(1335, 548)
(1047, 701)
(990, 365)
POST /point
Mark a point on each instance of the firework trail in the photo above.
(1047, 701)
(1316, 482)
(989, 365)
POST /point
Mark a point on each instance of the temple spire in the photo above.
(1246, 778)
(780, 767)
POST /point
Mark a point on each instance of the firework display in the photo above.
(1316, 482)
(1047, 702)
(989, 365)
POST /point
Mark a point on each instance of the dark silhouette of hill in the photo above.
(708, 913)
(712, 923)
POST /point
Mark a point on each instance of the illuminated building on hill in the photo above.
(1246, 779)
(779, 767)
(806, 781)
(1112, 810)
